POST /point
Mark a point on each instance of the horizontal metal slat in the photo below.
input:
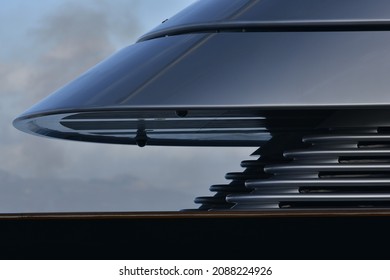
(295, 167)
(302, 153)
(252, 198)
(317, 182)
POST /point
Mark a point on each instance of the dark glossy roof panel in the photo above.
(213, 88)
(260, 70)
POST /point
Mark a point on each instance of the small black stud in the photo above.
(181, 113)
(141, 138)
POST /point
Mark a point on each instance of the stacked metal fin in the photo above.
(341, 168)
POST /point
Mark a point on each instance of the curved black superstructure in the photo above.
(305, 80)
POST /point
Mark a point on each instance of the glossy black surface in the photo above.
(239, 70)
(233, 76)
(254, 71)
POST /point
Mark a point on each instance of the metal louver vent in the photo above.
(342, 168)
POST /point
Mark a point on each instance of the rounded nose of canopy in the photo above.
(227, 73)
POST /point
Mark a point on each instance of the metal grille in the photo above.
(338, 168)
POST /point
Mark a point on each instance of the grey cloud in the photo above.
(70, 195)
(75, 37)
(70, 40)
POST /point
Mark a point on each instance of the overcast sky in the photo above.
(45, 44)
